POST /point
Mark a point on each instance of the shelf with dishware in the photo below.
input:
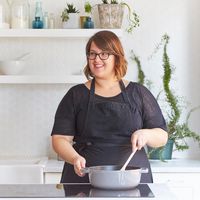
(9, 78)
(41, 79)
(52, 33)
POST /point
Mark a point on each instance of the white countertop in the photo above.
(174, 165)
(161, 192)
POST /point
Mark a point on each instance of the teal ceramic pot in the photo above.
(164, 153)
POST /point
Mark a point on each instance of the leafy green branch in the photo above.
(178, 132)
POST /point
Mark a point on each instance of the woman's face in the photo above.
(101, 68)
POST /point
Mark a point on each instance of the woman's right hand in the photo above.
(79, 163)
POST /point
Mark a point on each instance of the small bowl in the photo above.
(11, 67)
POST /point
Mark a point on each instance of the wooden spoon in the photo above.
(128, 160)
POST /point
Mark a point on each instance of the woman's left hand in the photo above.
(139, 139)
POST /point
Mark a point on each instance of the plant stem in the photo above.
(171, 99)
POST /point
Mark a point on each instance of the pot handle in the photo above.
(144, 170)
(85, 170)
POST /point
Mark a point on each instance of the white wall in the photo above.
(27, 111)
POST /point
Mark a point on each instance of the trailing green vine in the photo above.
(141, 75)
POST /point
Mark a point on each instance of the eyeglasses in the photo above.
(103, 55)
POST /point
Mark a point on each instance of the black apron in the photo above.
(105, 139)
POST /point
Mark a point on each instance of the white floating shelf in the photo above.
(53, 33)
(37, 79)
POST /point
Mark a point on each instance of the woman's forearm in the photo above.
(63, 147)
(157, 137)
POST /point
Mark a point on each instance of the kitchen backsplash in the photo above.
(26, 118)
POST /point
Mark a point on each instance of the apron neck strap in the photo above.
(124, 93)
(92, 89)
(122, 87)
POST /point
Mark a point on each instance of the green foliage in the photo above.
(69, 9)
(133, 19)
(170, 96)
(141, 75)
(177, 131)
(64, 16)
(114, 2)
(105, 1)
(88, 7)
(111, 2)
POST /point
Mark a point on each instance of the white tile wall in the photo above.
(26, 118)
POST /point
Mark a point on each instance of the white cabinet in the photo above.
(183, 185)
(52, 177)
(181, 175)
(53, 171)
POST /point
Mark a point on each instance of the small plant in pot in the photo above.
(86, 20)
(177, 132)
(111, 15)
(88, 8)
(70, 16)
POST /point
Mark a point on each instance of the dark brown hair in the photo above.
(108, 41)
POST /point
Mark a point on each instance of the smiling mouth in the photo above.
(98, 66)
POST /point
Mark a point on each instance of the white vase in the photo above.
(72, 22)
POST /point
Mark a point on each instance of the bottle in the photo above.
(20, 14)
(4, 14)
(88, 23)
(46, 20)
(51, 21)
(38, 22)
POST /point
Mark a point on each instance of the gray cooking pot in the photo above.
(111, 177)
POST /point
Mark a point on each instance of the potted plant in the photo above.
(111, 15)
(86, 20)
(177, 132)
(70, 16)
(88, 8)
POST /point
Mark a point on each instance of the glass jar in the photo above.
(4, 14)
(46, 20)
(20, 14)
(51, 21)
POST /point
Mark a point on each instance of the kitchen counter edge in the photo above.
(174, 165)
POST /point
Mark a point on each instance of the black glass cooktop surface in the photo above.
(69, 190)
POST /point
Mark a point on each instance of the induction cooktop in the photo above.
(69, 190)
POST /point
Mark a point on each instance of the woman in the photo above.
(102, 121)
